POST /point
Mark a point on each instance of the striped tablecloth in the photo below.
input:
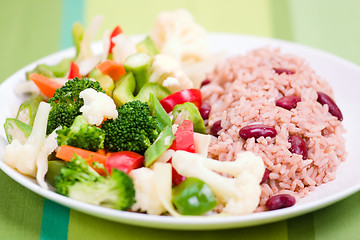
(33, 29)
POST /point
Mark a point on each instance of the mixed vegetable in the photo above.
(123, 129)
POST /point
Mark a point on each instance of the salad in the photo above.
(127, 128)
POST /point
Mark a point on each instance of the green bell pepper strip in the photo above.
(53, 171)
(161, 144)
(28, 109)
(16, 129)
(156, 89)
(148, 46)
(162, 118)
(139, 64)
(188, 111)
(193, 197)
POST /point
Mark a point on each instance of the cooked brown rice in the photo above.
(243, 91)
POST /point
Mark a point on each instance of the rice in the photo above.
(243, 91)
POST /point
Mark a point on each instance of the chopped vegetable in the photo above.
(180, 97)
(97, 106)
(53, 171)
(116, 31)
(67, 152)
(193, 197)
(16, 129)
(106, 82)
(246, 174)
(148, 46)
(167, 71)
(111, 68)
(79, 181)
(46, 85)
(82, 135)
(139, 64)
(27, 110)
(74, 71)
(125, 161)
(28, 157)
(162, 119)
(133, 130)
(188, 111)
(161, 144)
(66, 103)
(152, 88)
(184, 137)
(124, 89)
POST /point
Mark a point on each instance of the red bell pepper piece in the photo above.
(187, 95)
(184, 137)
(184, 140)
(124, 161)
(74, 71)
(176, 177)
(117, 30)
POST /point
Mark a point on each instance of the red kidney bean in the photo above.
(205, 110)
(205, 82)
(288, 102)
(280, 201)
(256, 131)
(333, 108)
(284, 70)
(265, 176)
(215, 128)
(298, 146)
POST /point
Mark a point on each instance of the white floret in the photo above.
(239, 194)
(147, 199)
(167, 71)
(30, 158)
(97, 106)
(123, 48)
(178, 35)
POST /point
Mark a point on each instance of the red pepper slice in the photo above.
(124, 161)
(187, 95)
(117, 30)
(184, 137)
(184, 140)
(74, 71)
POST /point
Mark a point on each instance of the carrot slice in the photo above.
(113, 69)
(67, 152)
(46, 85)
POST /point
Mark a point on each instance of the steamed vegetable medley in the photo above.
(122, 129)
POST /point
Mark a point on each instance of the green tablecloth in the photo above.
(33, 29)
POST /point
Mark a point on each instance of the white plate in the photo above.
(342, 75)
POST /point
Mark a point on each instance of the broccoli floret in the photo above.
(79, 181)
(133, 130)
(66, 103)
(81, 135)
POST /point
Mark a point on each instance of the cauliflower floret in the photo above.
(97, 106)
(240, 194)
(30, 158)
(167, 71)
(123, 48)
(177, 34)
(153, 189)
(147, 199)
